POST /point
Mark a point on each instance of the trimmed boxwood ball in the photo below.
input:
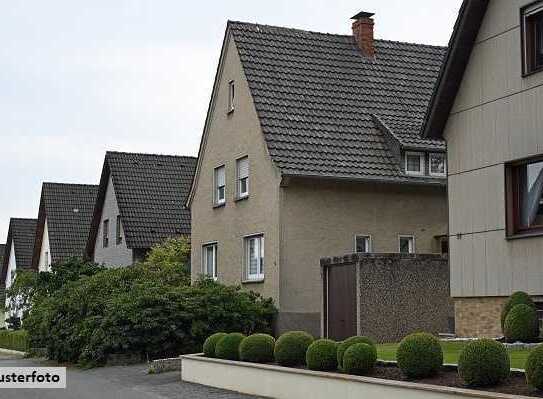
(322, 355)
(291, 347)
(257, 348)
(210, 343)
(521, 324)
(534, 368)
(344, 345)
(517, 298)
(483, 362)
(419, 355)
(228, 346)
(359, 359)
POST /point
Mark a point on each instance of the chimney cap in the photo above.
(363, 14)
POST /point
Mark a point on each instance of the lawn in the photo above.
(451, 351)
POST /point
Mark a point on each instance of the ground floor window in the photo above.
(407, 244)
(362, 244)
(254, 257)
(209, 260)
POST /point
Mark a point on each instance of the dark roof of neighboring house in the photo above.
(151, 192)
(2, 250)
(461, 44)
(22, 233)
(317, 97)
(68, 209)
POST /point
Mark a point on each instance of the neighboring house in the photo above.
(488, 106)
(18, 251)
(64, 219)
(140, 202)
(2, 286)
(312, 148)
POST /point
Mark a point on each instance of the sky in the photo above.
(78, 77)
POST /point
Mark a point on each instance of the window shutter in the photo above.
(243, 168)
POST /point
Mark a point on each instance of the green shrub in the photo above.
(291, 347)
(521, 324)
(228, 346)
(210, 343)
(483, 362)
(359, 359)
(344, 345)
(257, 348)
(322, 355)
(517, 298)
(419, 355)
(534, 368)
(14, 340)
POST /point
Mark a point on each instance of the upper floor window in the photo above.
(524, 194)
(362, 244)
(118, 231)
(438, 164)
(209, 260)
(242, 166)
(105, 233)
(414, 163)
(231, 96)
(532, 37)
(46, 260)
(220, 185)
(254, 257)
(407, 244)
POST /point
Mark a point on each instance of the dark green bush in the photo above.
(534, 368)
(359, 359)
(210, 343)
(257, 348)
(517, 298)
(483, 362)
(344, 345)
(291, 347)
(419, 355)
(322, 355)
(521, 324)
(14, 340)
(228, 346)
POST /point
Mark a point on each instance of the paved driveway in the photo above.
(123, 382)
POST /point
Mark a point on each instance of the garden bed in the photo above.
(386, 381)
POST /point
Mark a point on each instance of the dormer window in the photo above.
(532, 37)
(231, 96)
(414, 163)
(438, 164)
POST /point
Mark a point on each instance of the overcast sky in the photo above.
(78, 77)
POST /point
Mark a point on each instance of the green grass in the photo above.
(15, 340)
(451, 351)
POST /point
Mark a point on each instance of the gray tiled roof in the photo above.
(2, 250)
(151, 192)
(22, 233)
(68, 209)
(316, 96)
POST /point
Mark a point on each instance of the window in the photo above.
(407, 244)
(254, 257)
(118, 231)
(362, 244)
(532, 37)
(220, 185)
(524, 193)
(231, 95)
(209, 260)
(46, 260)
(243, 177)
(438, 164)
(414, 163)
(444, 246)
(105, 234)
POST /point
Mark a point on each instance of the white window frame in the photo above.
(215, 247)
(239, 193)
(259, 276)
(412, 250)
(367, 237)
(432, 155)
(216, 187)
(422, 159)
(231, 96)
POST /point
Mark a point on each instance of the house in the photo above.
(18, 249)
(312, 147)
(64, 218)
(140, 202)
(487, 106)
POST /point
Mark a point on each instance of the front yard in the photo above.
(451, 351)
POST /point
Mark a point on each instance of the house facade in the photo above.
(140, 202)
(311, 147)
(64, 219)
(487, 105)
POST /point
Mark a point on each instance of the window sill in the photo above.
(238, 199)
(254, 281)
(530, 234)
(532, 72)
(216, 206)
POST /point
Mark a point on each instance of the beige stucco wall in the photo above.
(496, 118)
(229, 137)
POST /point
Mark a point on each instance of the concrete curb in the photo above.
(12, 352)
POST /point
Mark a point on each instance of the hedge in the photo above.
(14, 340)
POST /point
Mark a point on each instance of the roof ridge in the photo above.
(150, 154)
(70, 184)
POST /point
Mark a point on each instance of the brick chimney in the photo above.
(363, 33)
